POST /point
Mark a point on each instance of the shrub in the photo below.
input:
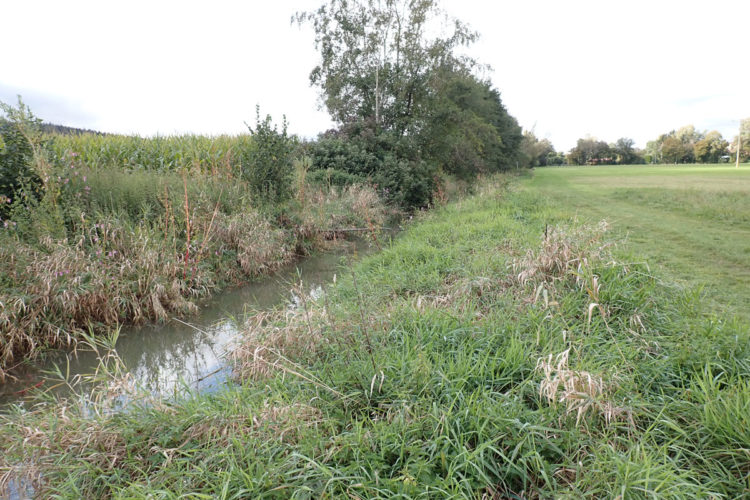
(268, 166)
(409, 184)
(379, 160)
(17, 178)
(343, 156)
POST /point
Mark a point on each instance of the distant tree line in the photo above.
(688, 145)
(53, 128)
(684, 145)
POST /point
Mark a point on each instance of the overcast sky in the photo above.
(605, 68)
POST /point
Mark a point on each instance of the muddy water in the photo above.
(169, 357)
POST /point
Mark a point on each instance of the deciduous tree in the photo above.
(377, 59)
(675, 151)
(711, 148)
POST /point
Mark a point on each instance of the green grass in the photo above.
(420, 375)
(693, 221)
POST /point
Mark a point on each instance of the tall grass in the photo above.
(497, 349)
(131, 230)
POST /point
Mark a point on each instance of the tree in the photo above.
(677, 146)
(653, 151)
(377, 60)
(745, 144)
(688, 135)
(624, 151)
(589, 151)
(711, 148)
(467, 129)
(392, 80)
(674, 151)
(536, 152)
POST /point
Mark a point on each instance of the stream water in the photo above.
(165, 358)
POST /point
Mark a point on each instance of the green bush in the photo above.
(268, 166)
(17, 178)
(380, 160)
(343, 156)
(409, 184)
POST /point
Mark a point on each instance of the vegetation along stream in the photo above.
(163, 358)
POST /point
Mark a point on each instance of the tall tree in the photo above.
(688, 135)
(377, 58)
(536, 152)
(675, 151)
(711, 148)
(624, 151)
(589, 151)
(745, 143)
(467, 130)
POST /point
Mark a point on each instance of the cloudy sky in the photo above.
(567, 69)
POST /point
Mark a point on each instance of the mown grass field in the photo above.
(497, 349)
(693, 221)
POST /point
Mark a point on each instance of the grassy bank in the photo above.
(498, 349)
(125, 230)
(692, 220)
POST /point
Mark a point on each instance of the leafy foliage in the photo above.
(711, 148)
(537, 152)
(17, 177)
(268, 166)
(468, 131)
(374, 159)
(589, 151)
(377, 61)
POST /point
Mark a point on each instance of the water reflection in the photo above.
(165, 358)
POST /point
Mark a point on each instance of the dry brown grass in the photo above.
(580, 391)
(326, 213)
(270, 339)
(113, 276)
(65, 290)
(561, 253)
(260, 248)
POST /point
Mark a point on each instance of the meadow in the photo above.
(504, 346)
(691, 220)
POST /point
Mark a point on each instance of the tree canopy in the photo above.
(377, 61)
(392, 78)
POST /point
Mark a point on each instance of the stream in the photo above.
(165, 358)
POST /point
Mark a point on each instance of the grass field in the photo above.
(693, 221)
(496, 350)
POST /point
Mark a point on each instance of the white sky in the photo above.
(608, 68)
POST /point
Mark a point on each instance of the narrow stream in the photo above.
(164, 358)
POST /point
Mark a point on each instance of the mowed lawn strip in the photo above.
(693, 221)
